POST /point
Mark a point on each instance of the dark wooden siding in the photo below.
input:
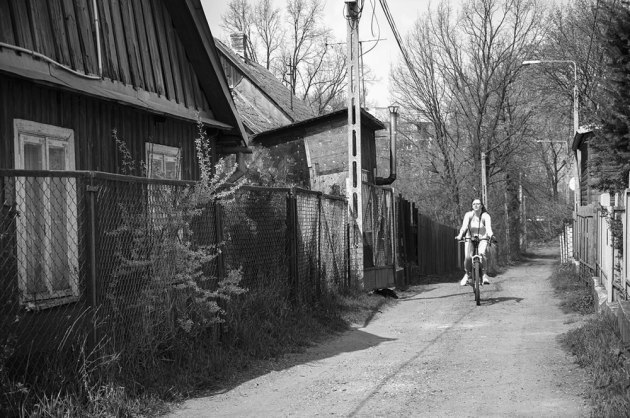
(585, 199)
(138, 42)
(92, 121)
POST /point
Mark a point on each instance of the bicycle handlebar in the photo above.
(491, 239)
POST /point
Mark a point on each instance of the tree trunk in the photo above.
(514, 214)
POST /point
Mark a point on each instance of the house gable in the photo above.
(264, 101)
(153, 54)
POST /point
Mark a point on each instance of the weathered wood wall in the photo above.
(92, 121)
(139, 44)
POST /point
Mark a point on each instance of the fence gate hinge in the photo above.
(90, 188)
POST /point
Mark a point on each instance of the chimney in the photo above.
(239, 44)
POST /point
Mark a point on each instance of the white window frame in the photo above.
(152, 149)
(46, 135)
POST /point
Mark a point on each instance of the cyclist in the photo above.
(476, 222)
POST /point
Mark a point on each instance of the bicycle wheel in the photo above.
(477, 282)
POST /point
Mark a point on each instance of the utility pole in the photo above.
(354, 178)
(484, 180)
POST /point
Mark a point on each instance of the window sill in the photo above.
(41, 305)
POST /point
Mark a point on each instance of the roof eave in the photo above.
(192, 26)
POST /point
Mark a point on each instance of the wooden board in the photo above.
(119, 42)
(6, 25)
(154, 51)
(147, 65)
(162, 40)
(74, 44)
(59, 32)
(22, 24)
(43, 36)
(108, 42)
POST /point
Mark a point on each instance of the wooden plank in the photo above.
(184, 65)
(141, 32)
(43, 36)
(164, 51)
(119, 40)
(108, 43)
(156, 60)
(174, 56)
(6, 25)
(22, 24)
(59, 32)
(74, 44)
(133, 53)
(196, 88)
(85, 25)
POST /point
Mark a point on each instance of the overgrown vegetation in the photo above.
(258, 325)
(597, 346)
(574, 293)
(600, 350)
(180, 329)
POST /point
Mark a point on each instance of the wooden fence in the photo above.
(599, 247)
(425, 246)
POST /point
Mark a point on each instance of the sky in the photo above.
(379, 60)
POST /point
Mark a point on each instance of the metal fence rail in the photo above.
(110, 259)
(114, 261)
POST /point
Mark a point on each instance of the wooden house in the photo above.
(320, 149)
(585, 193)
(75, 75)
(147, 68)
(262, 101)
(310, 151)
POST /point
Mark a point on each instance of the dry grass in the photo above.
(597, 346)
(258, 326)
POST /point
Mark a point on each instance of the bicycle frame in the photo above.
(476, 266)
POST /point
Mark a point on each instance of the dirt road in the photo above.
(433, 354)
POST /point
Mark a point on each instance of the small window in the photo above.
(163, 162)
(47, 228)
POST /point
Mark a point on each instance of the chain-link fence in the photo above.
(44, 258)
(123, 262)
(378, 226)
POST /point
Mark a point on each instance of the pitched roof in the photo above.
(367, 119)
(200, 91)
(294, 108)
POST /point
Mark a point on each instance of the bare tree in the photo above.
(240, 18)
(296, 47)
(463, 81)
(268, 27)
(304, 49)
(325, 80)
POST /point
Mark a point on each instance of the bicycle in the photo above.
(476, 265)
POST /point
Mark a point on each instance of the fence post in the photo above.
(91, 190)
(218, 228)
(319, 245)
(292, 244)
(611, 269)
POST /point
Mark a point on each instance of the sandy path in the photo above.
(433, 354)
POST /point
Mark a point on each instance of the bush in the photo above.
(599, 349)
(575, 294)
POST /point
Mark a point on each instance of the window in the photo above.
(47, 232)
(163, 162)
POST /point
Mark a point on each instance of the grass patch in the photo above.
(259, 326)
(575, 294)
(598, 348)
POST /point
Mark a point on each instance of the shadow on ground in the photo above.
(494, 301)
(347, 341)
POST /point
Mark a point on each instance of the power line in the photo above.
(403, 50)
